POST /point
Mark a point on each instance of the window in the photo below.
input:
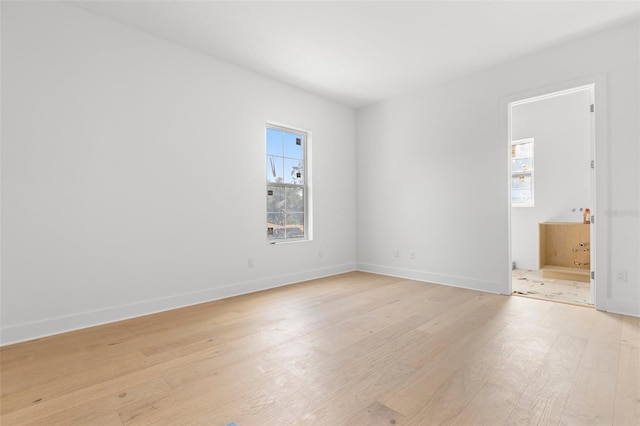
(522, 173)
(287, 184)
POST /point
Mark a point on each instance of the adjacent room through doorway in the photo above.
(551, 196)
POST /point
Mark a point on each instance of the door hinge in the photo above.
(593, 164)
(592, 108)
(593, 219)
(593, 275)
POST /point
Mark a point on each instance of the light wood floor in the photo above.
(354, 349)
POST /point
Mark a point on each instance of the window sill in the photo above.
(291, 241)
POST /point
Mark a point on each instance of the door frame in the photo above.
(600, 288)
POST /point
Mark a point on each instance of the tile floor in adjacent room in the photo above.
(533, 284)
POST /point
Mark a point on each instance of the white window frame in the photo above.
(530, 173)
(306, 186)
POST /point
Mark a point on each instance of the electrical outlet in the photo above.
(412, 254)
(621, 276)
(396, 253)
(250, 263)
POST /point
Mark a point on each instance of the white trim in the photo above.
(553, 94)
(50, 326)
(434, 278)
(600, 181)
(306, 186)
(626, 307)
(593, 260)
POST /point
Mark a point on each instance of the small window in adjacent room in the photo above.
(522, 173)
(287, 184)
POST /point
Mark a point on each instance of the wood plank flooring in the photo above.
(353, 349)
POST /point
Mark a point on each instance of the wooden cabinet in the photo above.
(565, 251)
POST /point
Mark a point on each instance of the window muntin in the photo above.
(522, 178)
(287, 190)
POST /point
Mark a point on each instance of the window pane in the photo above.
(521, 181)
(295, 232)
(293, 171)
(275, 166)
(285, 168)
(521, 195)
(295, 200)
(295, 225)
(293, 145)
(277, 219)
(275, 199)
(522, 165)
(274, 142)
(275, 225)
(277, 233)
(522, 150)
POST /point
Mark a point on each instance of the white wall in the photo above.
(133, 174)
(560, 126)
(432, 169)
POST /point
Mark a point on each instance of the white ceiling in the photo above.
(360, 52)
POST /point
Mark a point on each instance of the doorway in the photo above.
(552, 146)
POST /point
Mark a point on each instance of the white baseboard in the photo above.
(623, 307)
(435, 278)
(38, 329)
(617, 306)
(50, 326)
